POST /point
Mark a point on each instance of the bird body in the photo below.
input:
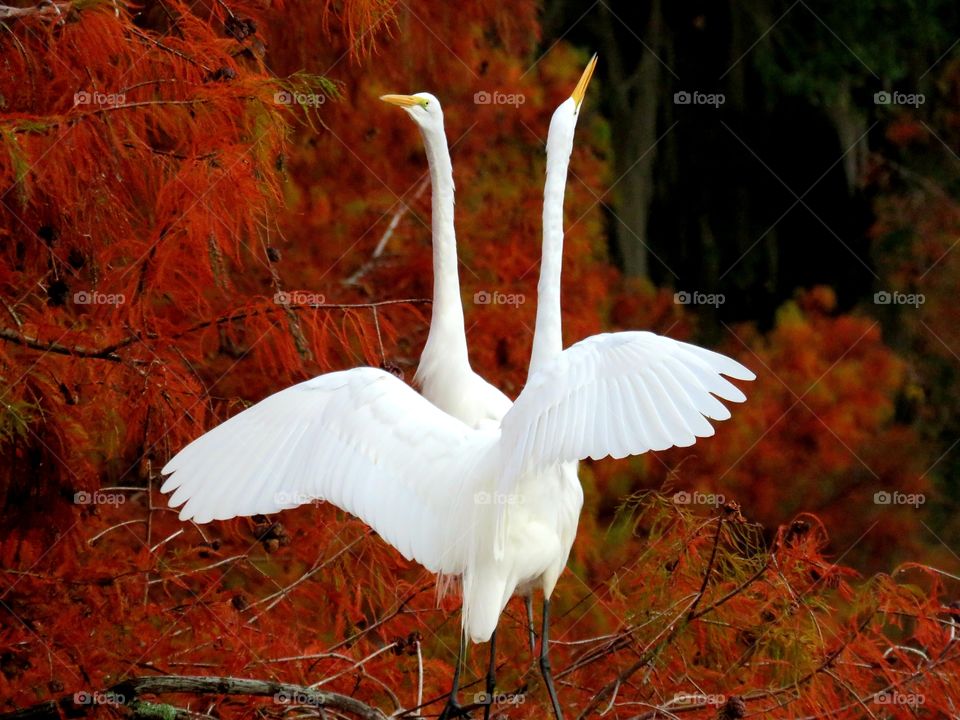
(545, 508)
(457, 478)
(436, 488)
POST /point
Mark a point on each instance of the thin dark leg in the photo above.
(453, 709)
(491, 676)
(528, 601)
(545, 660)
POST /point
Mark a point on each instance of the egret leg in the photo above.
(528, 601)
(491, 676)
(545, 660)
(453, 709)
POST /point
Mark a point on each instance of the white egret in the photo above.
(444, 374)
(497, 506)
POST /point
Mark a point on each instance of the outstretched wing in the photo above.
(616, 394)
(360, 439)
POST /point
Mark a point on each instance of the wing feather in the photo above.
(680, 396)
(631, 420)
(359, 439)
(616, 394)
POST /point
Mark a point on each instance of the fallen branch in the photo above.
(41, 8)
(128, 692)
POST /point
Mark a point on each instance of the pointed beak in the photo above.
(581, 88)
(404, 101)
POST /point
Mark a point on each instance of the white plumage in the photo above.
(617, 394)
(462, 482)
(359, 439)
(429, 484)
(444, 375)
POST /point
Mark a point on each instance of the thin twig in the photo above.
(110, 351)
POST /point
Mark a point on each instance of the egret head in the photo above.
(424, 108)
(564, 120)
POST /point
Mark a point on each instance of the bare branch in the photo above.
(127, 693)
(41, 8)
(110, 351)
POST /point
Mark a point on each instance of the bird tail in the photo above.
(500, 533)
(448, 585)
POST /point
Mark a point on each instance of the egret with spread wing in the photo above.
(444, 375)
(614, 394)
(497, 506)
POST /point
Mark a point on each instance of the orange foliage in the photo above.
(179, 240)
(818, 432)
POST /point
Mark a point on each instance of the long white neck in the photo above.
(447, 340)
(547, 335)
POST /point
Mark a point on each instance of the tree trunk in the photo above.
(850, 125)
(635, 100)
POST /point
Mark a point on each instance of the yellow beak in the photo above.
(581, 88)
(403, 100)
